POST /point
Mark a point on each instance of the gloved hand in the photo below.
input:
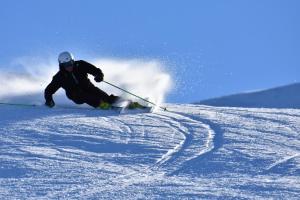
(50, 103)
(99, 77)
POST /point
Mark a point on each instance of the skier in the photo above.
(73, 78)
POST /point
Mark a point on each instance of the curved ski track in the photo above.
(129, 149)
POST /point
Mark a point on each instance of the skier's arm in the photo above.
(50, 90)
(91, 69)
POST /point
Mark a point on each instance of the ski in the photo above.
(137, 110)
(122, 108)
(130, 107)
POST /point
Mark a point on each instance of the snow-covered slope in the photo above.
(191, 152)
(280, 97)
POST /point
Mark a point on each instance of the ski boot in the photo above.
(104, 105)
(135, 105)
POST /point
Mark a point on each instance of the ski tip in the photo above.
(164, 108)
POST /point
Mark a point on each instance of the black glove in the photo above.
(99, 77)
(50, 103)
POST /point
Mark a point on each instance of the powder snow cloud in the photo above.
(26, 78)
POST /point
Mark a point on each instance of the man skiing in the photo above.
(73, 78)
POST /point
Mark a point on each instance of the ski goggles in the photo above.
(67, 64)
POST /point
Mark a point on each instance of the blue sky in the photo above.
(211, 48)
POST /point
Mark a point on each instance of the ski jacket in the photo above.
(73, 82)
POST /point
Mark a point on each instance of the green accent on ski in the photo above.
(135, 105)
(104, 105)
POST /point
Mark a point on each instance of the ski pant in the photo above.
(92, 96)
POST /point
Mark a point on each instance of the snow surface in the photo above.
(191, 152)
(279, 97)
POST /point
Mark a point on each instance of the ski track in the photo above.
(190, 152)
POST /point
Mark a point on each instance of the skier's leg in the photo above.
(88, 98)
(76, 97)
(94, 97)
(102, 96)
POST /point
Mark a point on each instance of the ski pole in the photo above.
(163, 108)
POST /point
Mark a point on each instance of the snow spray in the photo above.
(26, 78)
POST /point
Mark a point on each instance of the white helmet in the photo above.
(65, 57)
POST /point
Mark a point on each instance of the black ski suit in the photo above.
(77, 85)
